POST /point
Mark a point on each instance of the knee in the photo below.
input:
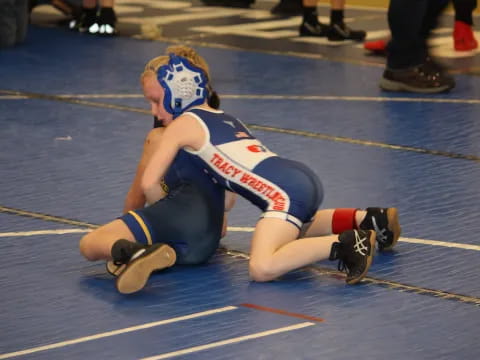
(261, 270)
(86, 248)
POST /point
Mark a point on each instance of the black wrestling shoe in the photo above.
(145, 261)
(384, 221)
(354, 253)
(313, 29)
(341, 32)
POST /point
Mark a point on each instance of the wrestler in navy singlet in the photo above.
(189, 218)
(239, 162)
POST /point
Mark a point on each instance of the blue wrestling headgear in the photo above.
(185, 85)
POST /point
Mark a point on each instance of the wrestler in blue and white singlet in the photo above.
(239, 162)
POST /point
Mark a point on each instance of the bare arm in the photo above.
(135, 198)
(185, 131)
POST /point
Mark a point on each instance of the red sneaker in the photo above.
(463, 37)
(376, 46)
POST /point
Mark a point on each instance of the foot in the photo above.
(384, 221)
(354, 251)
(86, 22)
(313, 29)
(145, 261)
(341, 32)
(463, 37)
(376, 46)
(426, 78)
(106, 22)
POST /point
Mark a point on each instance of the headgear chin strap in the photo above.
(184, 85)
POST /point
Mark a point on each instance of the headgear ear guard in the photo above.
(185, 85)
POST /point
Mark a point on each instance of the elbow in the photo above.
(153, 192)
(147, 186)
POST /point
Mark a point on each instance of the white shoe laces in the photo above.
(380, 232)
(360, 246)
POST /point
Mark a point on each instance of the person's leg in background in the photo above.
(86, 22)
(410, 28)
(463, 36)
(310, 25)
(94, 20)
(336, 31)
(22, 15)
(13, 22)
(405, 19)
(287, 8)
(409, 68)
(107, 18)
(8, 23)
(339, 31)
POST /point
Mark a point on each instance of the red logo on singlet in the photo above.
(256, 148)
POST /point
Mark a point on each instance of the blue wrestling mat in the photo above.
(73, 122)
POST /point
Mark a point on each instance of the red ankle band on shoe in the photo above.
(343, 219)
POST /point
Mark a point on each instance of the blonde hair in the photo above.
(180, 50)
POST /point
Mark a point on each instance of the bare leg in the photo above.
(275, 249)
(97, 245)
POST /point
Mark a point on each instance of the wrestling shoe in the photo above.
(354, 253)
(341, 32)
(114, 269)
(145, 261)
(313, 29)
(384, 221)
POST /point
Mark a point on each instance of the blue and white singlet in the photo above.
(239, 162)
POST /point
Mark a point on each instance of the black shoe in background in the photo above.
(106, 22)
(426, 78)
(86, 22)
(313, 29)
(341, 32)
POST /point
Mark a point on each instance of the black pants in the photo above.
(13, 22)
(410, 23)
(464, 9)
